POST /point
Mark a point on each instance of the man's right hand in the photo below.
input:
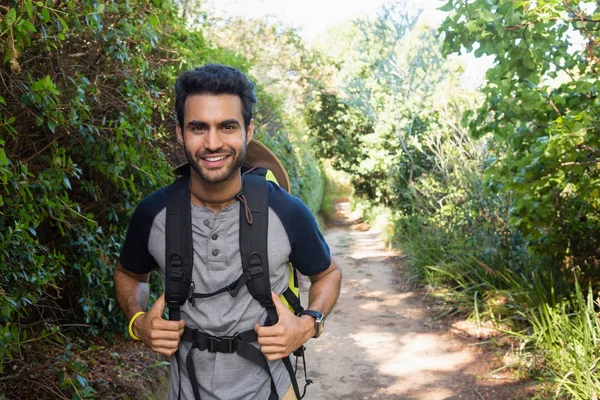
(157, 333)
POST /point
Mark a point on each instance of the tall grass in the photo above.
(567, 334)
(541, 307)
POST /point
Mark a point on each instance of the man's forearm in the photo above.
(325, 289)
(132, 293)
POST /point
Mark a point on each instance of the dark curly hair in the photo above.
(215, 79)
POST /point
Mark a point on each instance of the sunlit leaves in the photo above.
(390, 70)
(83, 89)
(541, 106)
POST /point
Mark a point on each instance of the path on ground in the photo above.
(380, 342)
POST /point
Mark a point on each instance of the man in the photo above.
(214, 114)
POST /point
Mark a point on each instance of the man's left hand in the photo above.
(287, 335)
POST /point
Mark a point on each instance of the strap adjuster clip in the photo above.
(190, 296)
(176, 275)
(176, 260)
(224, 344)
(254, 272)
(267, 303)
(172, 304)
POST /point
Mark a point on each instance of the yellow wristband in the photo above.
(137, 314)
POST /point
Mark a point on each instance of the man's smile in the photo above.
(214, 158)
(214, 161)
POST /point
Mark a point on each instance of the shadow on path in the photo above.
(379, 344)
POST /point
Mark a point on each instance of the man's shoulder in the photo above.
(284, 203)
(292, 211)
(152, 205)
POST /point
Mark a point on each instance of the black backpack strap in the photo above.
(240, 344)
(179, 254)
(293, 300)
(253, 240)
(179, 247)
(253, 247)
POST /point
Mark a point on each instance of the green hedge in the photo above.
(83, 87)
(86, 131)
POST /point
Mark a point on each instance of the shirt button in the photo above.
(206, 222)
(214, 236)
(215, 252)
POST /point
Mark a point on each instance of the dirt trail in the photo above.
(380, 343)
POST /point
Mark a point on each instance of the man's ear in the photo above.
(250, 131)
(179, 134)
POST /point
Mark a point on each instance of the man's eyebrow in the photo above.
(231, 121)
(194, 123)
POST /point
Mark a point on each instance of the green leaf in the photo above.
(154, 21)
(63, 24)
(27, 25)
(160, 364)
(45, 15)
(471, 26)
(11, 16)
(28, 8)
(447, 7)
(82, 381)
(52, 125)
(6, 310)
(11, 120)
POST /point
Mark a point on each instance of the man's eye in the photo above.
(228, 127)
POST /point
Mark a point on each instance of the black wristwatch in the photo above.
(319, 321)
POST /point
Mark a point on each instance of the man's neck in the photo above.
(214, 196)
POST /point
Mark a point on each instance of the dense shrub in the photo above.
(86, 131)
(83, 88)
(542, 109)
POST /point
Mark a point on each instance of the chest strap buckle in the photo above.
(221, 344)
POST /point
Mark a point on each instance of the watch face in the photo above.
(319, 326)
(319, 321)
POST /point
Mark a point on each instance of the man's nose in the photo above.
(213, 140)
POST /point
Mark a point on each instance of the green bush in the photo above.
(541, 107)
(86, 131)
(77, 140)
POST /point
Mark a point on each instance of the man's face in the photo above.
(214, 136)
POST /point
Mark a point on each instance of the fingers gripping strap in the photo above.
(179, 247)
(254, 250)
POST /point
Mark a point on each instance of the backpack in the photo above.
(179, 287)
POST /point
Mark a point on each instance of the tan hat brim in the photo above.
(258, 155)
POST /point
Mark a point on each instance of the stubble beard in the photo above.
(216, 176)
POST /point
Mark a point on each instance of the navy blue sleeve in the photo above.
(135, 256)
(310, 253)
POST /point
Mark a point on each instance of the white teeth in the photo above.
(213, 159)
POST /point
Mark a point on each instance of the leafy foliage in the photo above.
(288, 71)
(85, 133)
(338, 132)
(76, 140)
(389, 71)
(541, 106)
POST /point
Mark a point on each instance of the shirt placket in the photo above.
(216, 251)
